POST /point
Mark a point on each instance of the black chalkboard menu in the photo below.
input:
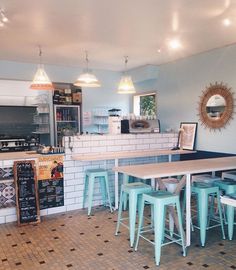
(51, 193)
(26, 192)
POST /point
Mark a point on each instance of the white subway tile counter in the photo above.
(107, 151)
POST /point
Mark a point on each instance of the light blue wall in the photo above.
(92, 97)
(181, 83)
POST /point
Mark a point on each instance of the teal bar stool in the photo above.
(134, 192)
(230, 201)
(90, 177)
(159, 200)
(229, 187)
(203, 191)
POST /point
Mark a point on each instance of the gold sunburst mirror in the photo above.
(216, 106)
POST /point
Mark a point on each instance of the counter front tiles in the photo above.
(74, 170)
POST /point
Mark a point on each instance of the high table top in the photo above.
(164, 169)
(128, 154)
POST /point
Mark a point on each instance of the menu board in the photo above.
(50, 181)
(26, 192)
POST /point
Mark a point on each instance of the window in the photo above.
(145, 104)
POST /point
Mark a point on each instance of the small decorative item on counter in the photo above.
(43, 149)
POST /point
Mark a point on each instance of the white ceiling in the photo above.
(111, 29)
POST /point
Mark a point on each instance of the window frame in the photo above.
(136, 101)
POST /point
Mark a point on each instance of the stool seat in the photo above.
(90, 176)
(134, 191)
(203, 191)
(206, 178)
(229, 175)
(228, 185)
(159, 200)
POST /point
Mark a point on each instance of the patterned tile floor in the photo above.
(76, 241)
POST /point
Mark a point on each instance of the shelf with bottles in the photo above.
(67, 94)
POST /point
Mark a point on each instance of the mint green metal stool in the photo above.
(159, 200)
(230, 201)
(229, 187)
(203, 191)
(134, 192)
(90, 177)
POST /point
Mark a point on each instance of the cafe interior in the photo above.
(117, 134)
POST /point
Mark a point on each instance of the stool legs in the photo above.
(159, 231)
(140, 221)
(230, 219)
(90, 194)
(202, 202)
(220, 214)
(108, 192)
(119, 212)
(85, 190)
(132, 217)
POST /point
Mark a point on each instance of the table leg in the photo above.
(116, 186)
(188, 210)
(153, 183)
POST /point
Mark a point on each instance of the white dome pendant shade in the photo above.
(87, 79)
(126, 85)
(41, 80)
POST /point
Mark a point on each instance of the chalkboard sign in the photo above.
(51, 193)
(26, 192)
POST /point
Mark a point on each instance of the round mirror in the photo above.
(216, 106)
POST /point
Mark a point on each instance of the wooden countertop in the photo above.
(128, 154)
(22, 155)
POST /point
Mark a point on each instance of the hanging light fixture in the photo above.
(3, 18)
(41, 80)
(126, 85)
(87, 79)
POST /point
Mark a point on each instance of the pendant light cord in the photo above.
(126, 62)
(87, 61)
(40, 55)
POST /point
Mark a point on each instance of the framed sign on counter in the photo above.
(26, 192)
(187, 135)
(50, 181)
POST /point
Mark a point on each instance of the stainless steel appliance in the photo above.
(144, 126)
(12, 144)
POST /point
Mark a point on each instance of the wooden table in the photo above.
(127, 154)
(187, 168)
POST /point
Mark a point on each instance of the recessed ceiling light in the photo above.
(226, 22)
(159, 50)
(174, 44)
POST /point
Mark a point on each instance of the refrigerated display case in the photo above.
(67, 121)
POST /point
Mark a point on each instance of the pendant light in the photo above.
(41, 80)
(87, 79)
(126, 85)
